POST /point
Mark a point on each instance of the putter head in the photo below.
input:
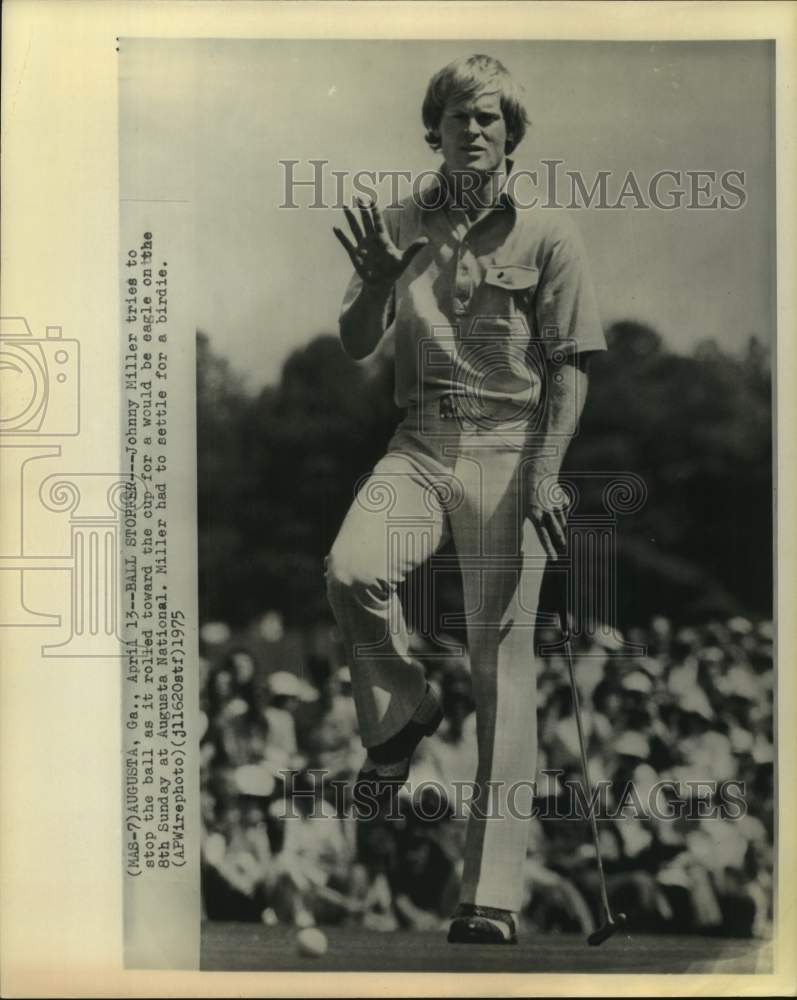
(603, 933)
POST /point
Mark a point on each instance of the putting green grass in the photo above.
(253, 947)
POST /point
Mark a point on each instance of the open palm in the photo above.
(375, 257)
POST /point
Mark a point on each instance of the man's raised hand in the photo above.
(375, 257)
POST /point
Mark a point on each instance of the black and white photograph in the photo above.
(440, 567)
(484, 471)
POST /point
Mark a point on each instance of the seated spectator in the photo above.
(286, 691)
(423, 881)
(450, 756)
(377, 850)
(705, 751)
(561, 735)
(551, 900)
(311, 876)
(235, 854)
(335, 747)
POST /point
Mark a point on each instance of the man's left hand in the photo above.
(548, 517)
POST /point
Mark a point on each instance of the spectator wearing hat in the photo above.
(706, 752)
(312, 876)
(561, 735)
(336, 747)
(424, 882)
(552, 902)
(235, 853)
(286, 692)
(237, 726)
(452, 751)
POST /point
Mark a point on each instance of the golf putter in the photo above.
(611, 923)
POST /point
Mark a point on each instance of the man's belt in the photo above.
(451, 407)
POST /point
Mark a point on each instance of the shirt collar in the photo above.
(435, 196)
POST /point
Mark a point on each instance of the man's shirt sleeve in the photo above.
(353, 290)
(565, 304)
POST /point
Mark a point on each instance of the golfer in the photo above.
(494, 318)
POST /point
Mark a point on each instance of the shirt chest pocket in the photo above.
(509, 288)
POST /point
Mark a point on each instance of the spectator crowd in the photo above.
(679, 729)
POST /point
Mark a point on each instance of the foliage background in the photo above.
(277, 468)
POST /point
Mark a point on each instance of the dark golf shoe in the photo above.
(387, 766)
(482, 925)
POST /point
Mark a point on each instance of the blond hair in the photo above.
(464, 78)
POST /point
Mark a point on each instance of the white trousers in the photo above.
(440, 480)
